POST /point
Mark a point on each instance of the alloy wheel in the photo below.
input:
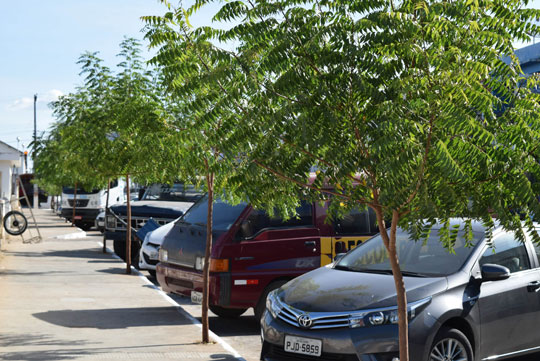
(448, 349)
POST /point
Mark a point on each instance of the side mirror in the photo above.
(494, 272)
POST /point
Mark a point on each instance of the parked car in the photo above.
(252, 253)
(100, 222)
(162, 202)
(481, 303)
(148, 258)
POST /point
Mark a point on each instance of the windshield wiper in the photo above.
(413, 274)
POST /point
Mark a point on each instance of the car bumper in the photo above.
(115, 235)
(81, 214)
(378, 343)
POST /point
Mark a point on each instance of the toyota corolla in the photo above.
(480, 302)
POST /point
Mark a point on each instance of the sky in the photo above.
(40, 42)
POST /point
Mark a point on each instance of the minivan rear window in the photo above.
(223, 217)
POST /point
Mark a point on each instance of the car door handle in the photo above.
(310, 243)
(534, 286)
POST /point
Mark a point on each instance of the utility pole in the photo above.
(36, 195)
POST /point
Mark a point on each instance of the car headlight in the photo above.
(273, 304)
(163, 255)
(199, 263)
(386, 316)
(111, 222)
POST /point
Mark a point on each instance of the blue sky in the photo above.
(40, 42)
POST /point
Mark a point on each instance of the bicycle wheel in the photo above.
(15, 223)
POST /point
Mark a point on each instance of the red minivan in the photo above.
(253, 253)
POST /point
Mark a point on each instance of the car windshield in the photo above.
(223, 217)
(178, 192)
(416, 258)
(71, 190)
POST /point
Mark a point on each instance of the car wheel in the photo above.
(450, 344)
(152, 273)
(227, 312)
(261, 305)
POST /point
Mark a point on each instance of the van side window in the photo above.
(114, 183)
(259, 220)
(357, 222)
(507, 252)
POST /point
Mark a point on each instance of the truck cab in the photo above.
(89, 203)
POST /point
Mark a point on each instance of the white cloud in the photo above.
(50, 96)
(28, 103)
(21, 104)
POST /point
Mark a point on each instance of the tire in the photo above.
(261, 304)
(15, 223)
(120, 250)
(152, 272)
(450, 338)
(83, 226)
(227, 312)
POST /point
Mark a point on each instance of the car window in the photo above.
(356, 222)
(508, 252)
(258, 220)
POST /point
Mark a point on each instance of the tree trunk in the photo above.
(74, 205)
(128, 230)
(390, 244)
(208, 249)
(106, 212)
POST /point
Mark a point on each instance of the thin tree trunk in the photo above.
(208, 249)
(106, 213)
(74, 205)
(390, 244)
(128, 229)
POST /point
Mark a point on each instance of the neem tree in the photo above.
(113, 125)
(203, 86)
(406, 107)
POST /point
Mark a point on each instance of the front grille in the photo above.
(277, 352)
(149, 261)
(321, 320)
(177, 282)
(78, 202)
(136, 222)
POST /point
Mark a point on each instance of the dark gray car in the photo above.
(480, 303)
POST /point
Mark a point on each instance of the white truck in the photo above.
(88, 204)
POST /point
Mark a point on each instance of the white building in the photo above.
(10, 163)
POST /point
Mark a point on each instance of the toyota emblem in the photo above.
(305, 321)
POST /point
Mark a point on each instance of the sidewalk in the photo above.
(63, 299)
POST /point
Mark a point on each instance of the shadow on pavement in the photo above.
(91, 253)
(115, 318)
(7, 340)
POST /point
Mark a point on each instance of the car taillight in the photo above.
(219, 265)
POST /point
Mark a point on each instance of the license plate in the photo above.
(196, 297)
(302, 345)
(78, 217)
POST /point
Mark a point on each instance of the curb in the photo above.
(179, 308)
